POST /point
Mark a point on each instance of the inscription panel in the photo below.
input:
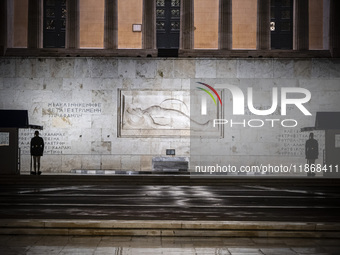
(55, 142)
(64, 123)
(71, 110)
(292, 142)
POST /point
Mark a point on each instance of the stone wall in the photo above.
(118, 113)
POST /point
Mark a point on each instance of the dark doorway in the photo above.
(281, 24)
(10, 122)
(9, 151)
(168, 25)
(54, 23)
(332, 147)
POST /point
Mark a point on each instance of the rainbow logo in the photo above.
(204, 102)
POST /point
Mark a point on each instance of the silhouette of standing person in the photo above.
(312, 152)
(37, 149)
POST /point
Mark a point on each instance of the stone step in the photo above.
(170, 228)
(166, 178)
(127, 172)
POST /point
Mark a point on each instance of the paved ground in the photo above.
(52, 245)
(167, 198)
(239, 201)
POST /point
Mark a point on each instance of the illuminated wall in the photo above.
(315, 24)
(129, 13)
(119, 113)
(20, 23)
(206, 24)
(244, 24)
(91, 23)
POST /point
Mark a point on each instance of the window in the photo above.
(168, 23)
(281, 24)
(54, 23)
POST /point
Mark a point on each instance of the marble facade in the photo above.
(96, 111)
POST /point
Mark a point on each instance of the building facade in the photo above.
(191, 24)
(97, 75)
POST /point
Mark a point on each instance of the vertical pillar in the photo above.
(3, 27)
(10, 23)
(72, 24)
(149, 24)
(325, 27)
(263, 22)
(187, 24)
(334, 33)
(111, 24)
(34, 34)
(301, 18)
(225, 41)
